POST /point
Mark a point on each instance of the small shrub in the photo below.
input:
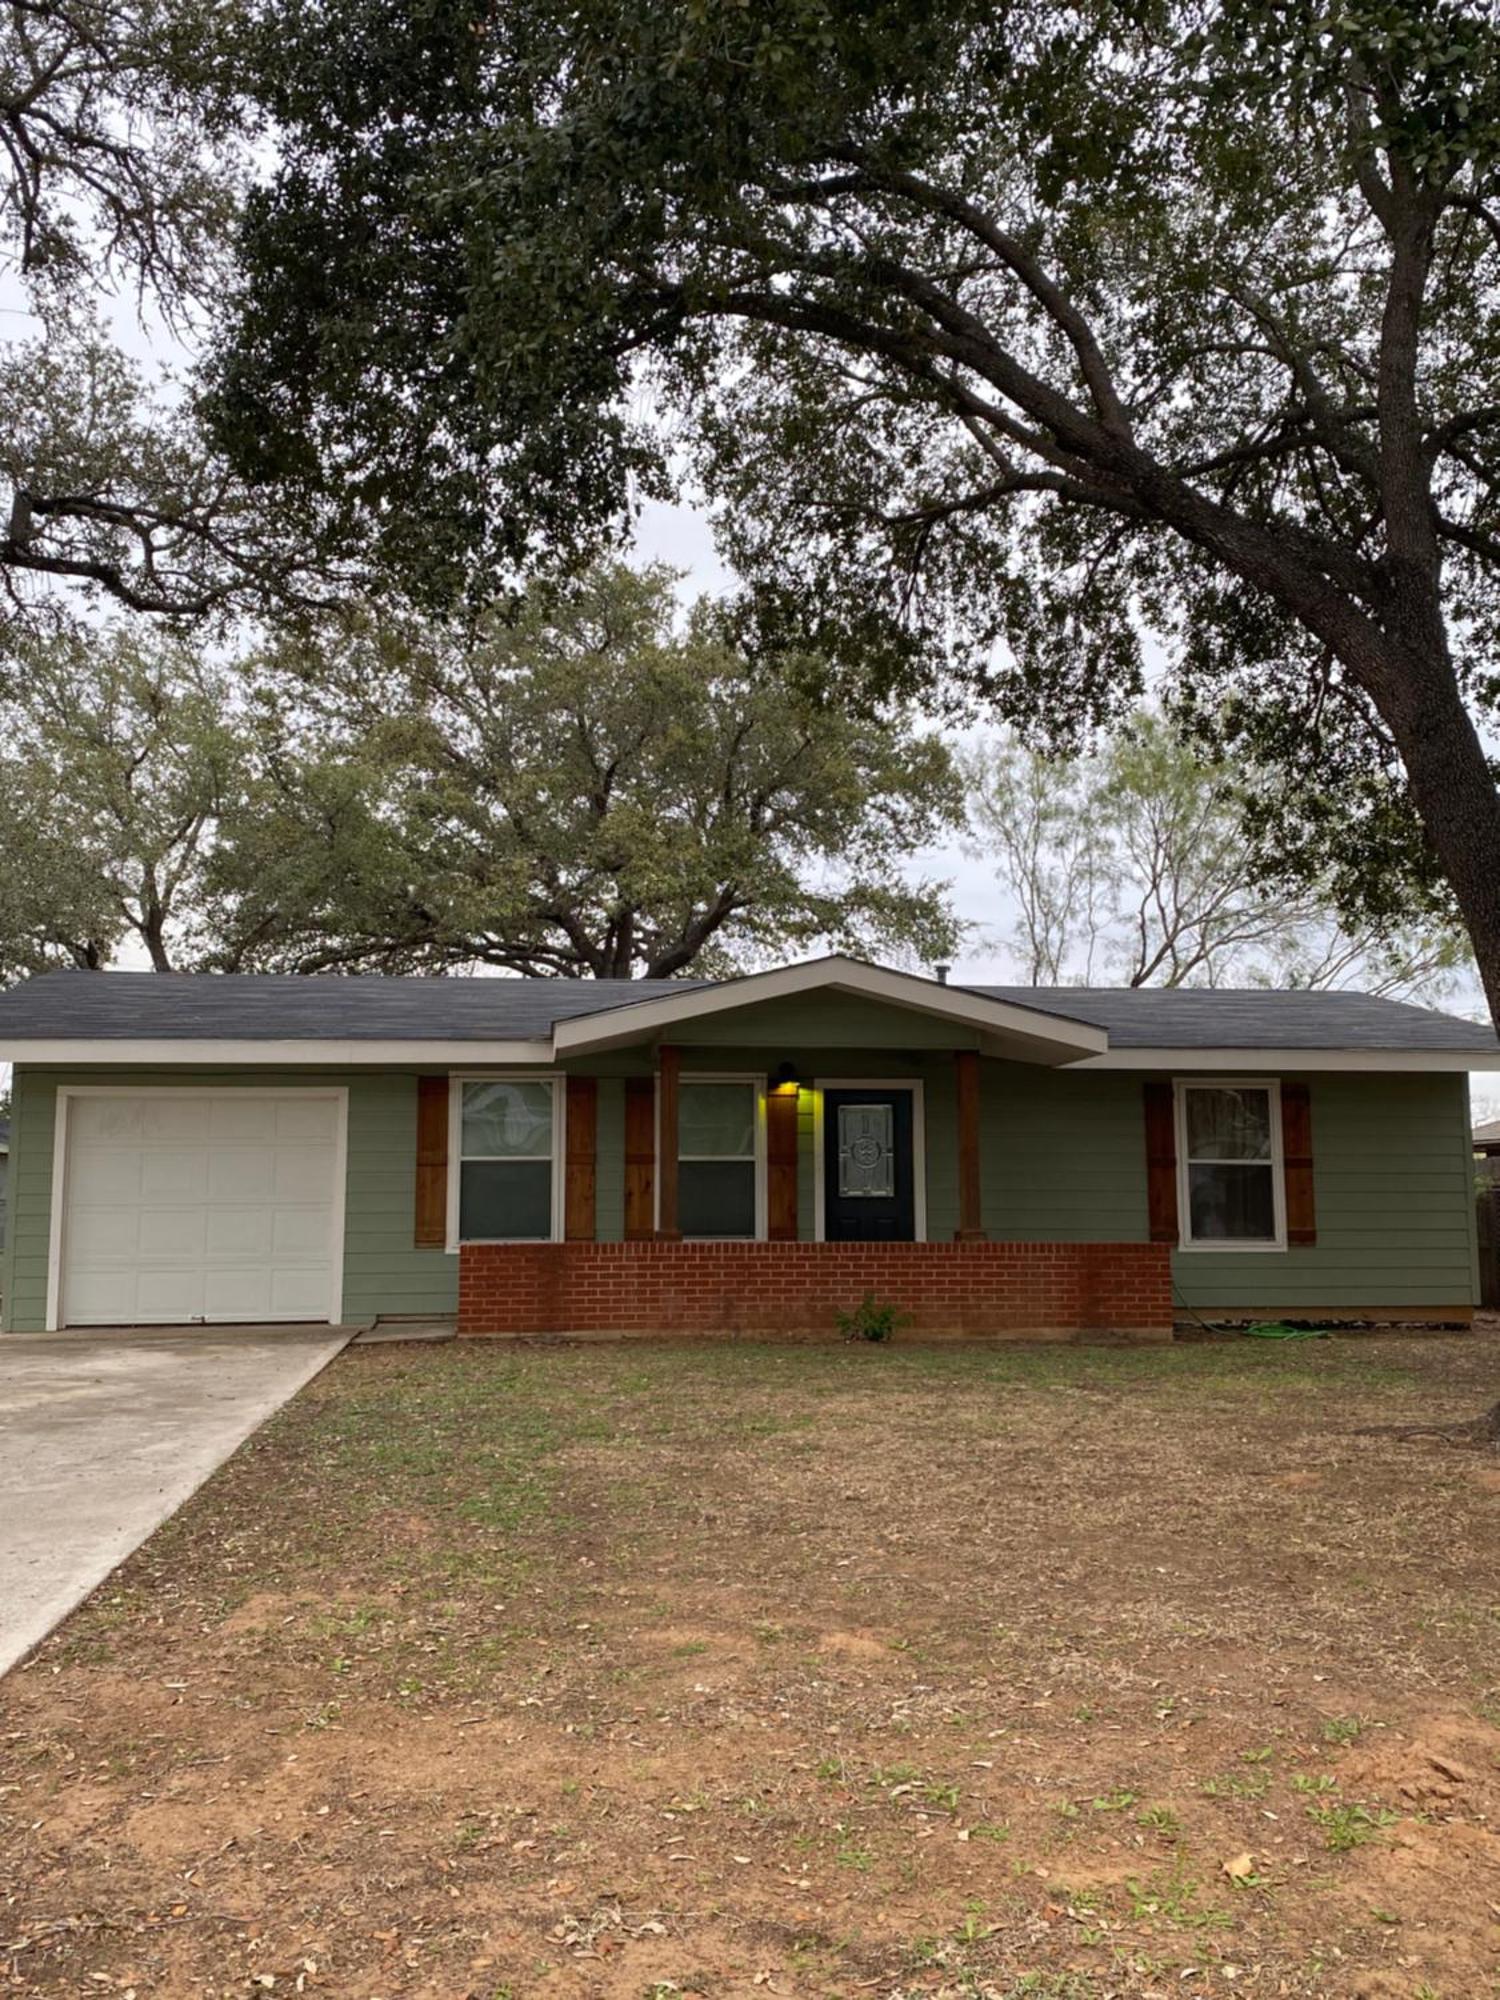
(872, 1319)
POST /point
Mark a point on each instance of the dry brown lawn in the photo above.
(651, 1670)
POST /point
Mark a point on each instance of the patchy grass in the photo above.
(658, 1670)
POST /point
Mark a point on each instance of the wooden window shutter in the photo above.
(430, 1227)
(1161, 1163)
(640, 1158)
(581, 1124)
(1297, 1163)
(781, 1163)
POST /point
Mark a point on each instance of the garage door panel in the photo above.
(100, 1179)
(171, 1235)
(299, 1233)
(96, 1298)
(171, 1173)
(247, 1173)
(105, 1118)
(163, 1123)
(165, 1293)
(301, 1177)
(218, 1206)
(105, 1235)
(238, 1232)
(243, 1291)
(305, 1121)
(297, 1295)
(236, 1121)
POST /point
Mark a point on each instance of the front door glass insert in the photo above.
(867, 1151)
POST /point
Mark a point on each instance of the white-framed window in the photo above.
(1231, 1191)
(505, 1157)
(721, 1156)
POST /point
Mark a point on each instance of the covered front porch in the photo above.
(753, 1163)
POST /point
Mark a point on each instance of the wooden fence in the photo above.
(1489, 1247)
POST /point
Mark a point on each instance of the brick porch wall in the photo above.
(1041, 1290)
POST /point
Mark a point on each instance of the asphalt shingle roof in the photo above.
(1186, 1017)
(112, 1006)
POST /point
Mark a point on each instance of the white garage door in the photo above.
(184, 1206)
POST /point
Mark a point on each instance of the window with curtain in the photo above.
(1228, 1142)
(506, 1137)
(716, 1153)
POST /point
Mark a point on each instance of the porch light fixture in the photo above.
(786, 1076)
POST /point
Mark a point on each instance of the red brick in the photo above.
(795, 1289)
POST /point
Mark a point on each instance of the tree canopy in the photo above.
(586, 784)
(997, 333)
(122, 162)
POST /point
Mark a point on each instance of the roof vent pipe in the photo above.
(941, 972)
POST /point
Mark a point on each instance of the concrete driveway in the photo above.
(103, 1435)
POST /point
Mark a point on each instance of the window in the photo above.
(1229, 1146)
(718, 1128)
(506, 1149)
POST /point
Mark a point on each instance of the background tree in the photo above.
(584, 786)
(1016, 322)
(117, 761)
(1130, 867)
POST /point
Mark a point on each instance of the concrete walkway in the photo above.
(104, 1434)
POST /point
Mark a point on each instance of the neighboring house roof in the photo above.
(361, 1018)
(1487, 1135)
(4, 1135)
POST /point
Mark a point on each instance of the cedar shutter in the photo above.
(640, 1158)
(781, 1163)
(430, 1221)
(1297, 1163)
(581, 1126)
(1161, 1163)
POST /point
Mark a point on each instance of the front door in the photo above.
(868, 1170)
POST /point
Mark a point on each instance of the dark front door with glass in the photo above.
(868, 1170)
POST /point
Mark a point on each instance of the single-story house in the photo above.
(739, 1156)
(1487, 1150)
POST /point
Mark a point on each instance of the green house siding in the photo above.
(1395, 1207)
(383, 1272)
(1063, 1155)
(1063, 1160)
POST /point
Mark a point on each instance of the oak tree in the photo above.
(997, 333)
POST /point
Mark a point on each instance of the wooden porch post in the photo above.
(668, 1073)
(970, 1205)
(580, 1169)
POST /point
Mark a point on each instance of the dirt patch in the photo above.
(669, 1670)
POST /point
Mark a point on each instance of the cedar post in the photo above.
(430, 1214)
(581, 1124)
(1297, 1162)
(1161, 1161)
(970, 1198)
(781, 1163)
(640, 1158)
(669, 1071)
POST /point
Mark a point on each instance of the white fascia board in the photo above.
(1366, 1061)
(1052, 1037)
(204, 1052)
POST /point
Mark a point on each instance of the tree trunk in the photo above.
(1454, 791)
